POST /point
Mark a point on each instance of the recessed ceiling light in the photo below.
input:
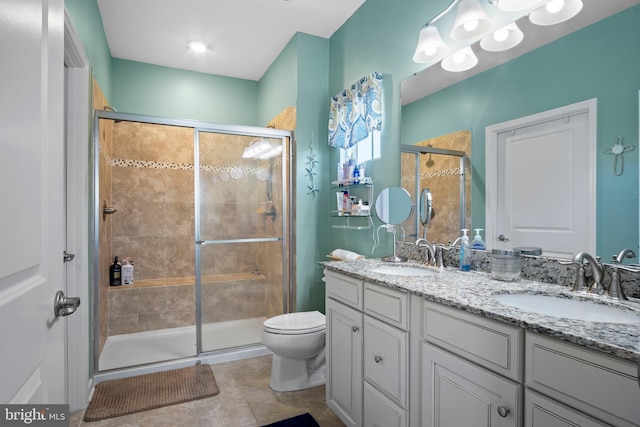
(197, 46)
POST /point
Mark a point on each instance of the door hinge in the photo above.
(67, 257)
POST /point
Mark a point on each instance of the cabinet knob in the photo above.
(503, 411)
(355, 328)
(378, 359)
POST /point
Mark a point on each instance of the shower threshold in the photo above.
(141, 348)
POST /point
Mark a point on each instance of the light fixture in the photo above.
(516, 5)
(503, 39)
(462, 60)
(197, 46)
(431, 47)
(555, 12)
(471, 21)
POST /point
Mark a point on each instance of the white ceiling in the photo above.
(244, 37)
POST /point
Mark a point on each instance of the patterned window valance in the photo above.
(356, 111)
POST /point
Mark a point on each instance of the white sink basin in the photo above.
(568, 308)
(402, 270)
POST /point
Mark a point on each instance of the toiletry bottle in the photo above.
(477, 242)
(114, 273)
(340, 174)
(465, 253)
(127, 272)
(352, 165)
(356, 174)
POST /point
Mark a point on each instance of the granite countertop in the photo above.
(473, 291)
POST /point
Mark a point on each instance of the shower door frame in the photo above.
(288, 142)
(417, 150)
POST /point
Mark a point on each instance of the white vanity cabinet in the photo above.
(569, 382)
(367, 352)
(471, 370)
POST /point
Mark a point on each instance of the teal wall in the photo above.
(601, 61)
(87, 22)
(168, 92)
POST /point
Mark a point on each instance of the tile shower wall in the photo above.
(441, 174)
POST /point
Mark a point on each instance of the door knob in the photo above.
(503, 411)
(64, 306)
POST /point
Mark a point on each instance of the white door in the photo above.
(543, 182)
(32, 359)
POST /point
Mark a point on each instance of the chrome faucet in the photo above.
(597, 270)
(430, 255)
(615, 290)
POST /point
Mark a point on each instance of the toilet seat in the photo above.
(305, 322)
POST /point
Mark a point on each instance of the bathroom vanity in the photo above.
(437, 348)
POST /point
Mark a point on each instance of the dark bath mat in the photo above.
(150, 391)
(304, 420)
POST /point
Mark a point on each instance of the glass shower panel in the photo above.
(240, 236)
(145, 174)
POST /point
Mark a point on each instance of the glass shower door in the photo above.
(241, 235)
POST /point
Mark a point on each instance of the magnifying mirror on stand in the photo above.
(393, 207)
(426, 210)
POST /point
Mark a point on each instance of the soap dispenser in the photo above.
(465, 254)
(477, 242)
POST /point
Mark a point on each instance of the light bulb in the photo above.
(430, 51)
(555, 6)
(458, 58)
(471, 25)
(501, 35)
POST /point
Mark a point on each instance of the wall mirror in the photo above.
(538, 81)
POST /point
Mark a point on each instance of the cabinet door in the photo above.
(344, 362)
(457, 393)
(542, 412)
(386, 360)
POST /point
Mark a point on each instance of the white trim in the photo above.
(77, 135)
(589, 106)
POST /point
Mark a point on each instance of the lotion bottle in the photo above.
(127, 272)
(465, 253)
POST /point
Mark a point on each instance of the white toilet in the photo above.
(298, 346)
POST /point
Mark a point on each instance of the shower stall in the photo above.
(201, 211)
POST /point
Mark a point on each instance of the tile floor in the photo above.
(245, 400)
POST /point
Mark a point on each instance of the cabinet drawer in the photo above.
(380, 411)
(488, 343)
(542, 412)
(386, 359)
(388, 305)
(342, 288)
(597, 384)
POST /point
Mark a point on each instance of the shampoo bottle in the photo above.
(114, 273)
(465, 254)
(127, 272)
(477, 242)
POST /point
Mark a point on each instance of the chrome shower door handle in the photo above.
(64, 306)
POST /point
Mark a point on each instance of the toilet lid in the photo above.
(303, 322)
